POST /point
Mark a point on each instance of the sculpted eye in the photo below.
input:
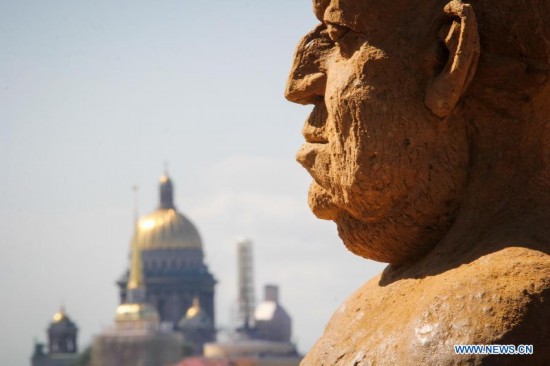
(336, 32)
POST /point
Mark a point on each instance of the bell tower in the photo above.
(62, 334)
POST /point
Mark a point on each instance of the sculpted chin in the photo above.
(429, 146)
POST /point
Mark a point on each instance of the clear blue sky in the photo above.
(94, 97)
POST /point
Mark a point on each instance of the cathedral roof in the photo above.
(166, 228)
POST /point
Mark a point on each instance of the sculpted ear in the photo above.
(461, 39)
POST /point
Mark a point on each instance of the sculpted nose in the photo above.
(307, 80)
(306, 90)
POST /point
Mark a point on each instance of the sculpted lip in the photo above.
(306, 155)
(314, 154)
(314, 158)
(314, 130)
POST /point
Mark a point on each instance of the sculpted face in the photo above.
(385, 168)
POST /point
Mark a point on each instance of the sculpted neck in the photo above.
(509, 163)
(506, 200)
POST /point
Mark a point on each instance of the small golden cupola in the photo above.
(195, 309)
(60, 316)
(195, 317)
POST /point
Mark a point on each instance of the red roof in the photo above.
(201, 361)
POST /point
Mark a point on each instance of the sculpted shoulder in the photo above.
(500, 298)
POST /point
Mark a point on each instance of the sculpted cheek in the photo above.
(366, 163)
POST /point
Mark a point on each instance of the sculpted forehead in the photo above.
(361, 14)
(345, 13)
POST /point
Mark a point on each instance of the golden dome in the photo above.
(136, 312)
(166, 229)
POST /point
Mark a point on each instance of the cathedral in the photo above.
(173, 262)
(166, 310)
(166, 296)
(166, 306)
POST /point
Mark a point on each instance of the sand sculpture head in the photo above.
(426, 114)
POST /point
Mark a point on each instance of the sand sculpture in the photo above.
(429, 146)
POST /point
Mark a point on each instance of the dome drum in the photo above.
(187, 284)
(158, 261)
